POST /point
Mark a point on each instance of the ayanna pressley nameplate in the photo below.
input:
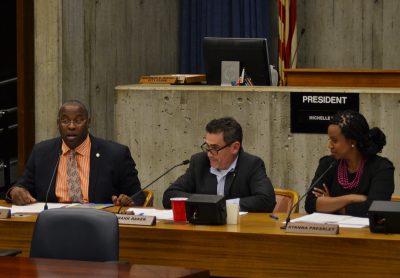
(311, 112)
(312, 228)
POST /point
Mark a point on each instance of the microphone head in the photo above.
(185, 162)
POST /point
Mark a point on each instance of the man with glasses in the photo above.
(224, 168)
(77, 167)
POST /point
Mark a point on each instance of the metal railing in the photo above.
(6, 126)
(11, 80)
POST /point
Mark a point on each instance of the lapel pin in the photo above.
(97, 155)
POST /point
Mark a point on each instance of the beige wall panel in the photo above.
(104, 43)
(356, 34)
(390, 34)
(165, 125)
(48, 71)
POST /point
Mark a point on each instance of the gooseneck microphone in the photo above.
(308, 191)
(185, 162)
(51, 180)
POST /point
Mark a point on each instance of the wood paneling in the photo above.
(342, 78)
(257, 247)
(25, 83)
(27, 267)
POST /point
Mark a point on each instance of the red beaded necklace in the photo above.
(343, 178)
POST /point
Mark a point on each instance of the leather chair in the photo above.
(76, 234)
(285, 199)
(395, 198)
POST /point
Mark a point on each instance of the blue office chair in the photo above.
(76, 234)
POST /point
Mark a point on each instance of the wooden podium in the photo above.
(342, 78)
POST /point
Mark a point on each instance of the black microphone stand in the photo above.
(51, 180)
(306, 193)
(141, 190)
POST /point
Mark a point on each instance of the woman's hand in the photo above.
(318, 192)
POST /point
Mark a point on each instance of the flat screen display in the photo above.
(252, 53)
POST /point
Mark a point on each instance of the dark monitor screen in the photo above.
(252, 53)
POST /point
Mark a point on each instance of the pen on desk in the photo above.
(274, 217)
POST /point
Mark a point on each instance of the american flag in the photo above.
(287, 37)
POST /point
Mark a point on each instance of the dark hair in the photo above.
(230, 128)
(355, 127)
(75, 102)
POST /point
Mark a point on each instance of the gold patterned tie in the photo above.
(74, 181)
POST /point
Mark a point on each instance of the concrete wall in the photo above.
(355, 34)
(84, 48)
(165, 125)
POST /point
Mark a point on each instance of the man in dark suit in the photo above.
(224, 168)
(79, 166)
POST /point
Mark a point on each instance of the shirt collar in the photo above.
(82, 149)
(222, 173)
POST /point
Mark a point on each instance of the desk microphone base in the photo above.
(139, 220)
(312, 228)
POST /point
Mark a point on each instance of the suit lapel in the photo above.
(95, 155)
(231, 177)
(210, 183)
(229, 180)
(55, 156)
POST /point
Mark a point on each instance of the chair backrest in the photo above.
(76, 234)
(395, 198)
(285, 199)
(149, 198)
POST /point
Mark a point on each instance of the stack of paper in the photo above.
(34, 208)
(344, 221)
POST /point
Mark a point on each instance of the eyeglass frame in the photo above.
(67, 122)
(202, 147)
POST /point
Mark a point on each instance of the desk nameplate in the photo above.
(141, 220)
(312, 228)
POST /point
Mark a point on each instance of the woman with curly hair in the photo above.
(359, 176)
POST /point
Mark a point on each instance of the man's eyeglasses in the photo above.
(77, 122)
(214, 151)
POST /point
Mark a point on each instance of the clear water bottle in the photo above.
(274, 75)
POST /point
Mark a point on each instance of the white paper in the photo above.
(344, 221)
(34, 208)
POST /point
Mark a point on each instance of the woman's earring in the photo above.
(352, 145)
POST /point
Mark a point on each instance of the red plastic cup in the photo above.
(179, 209)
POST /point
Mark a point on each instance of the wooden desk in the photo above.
(255, 248)
(27, 267)
(342, 78)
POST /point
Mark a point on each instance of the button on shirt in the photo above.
(83, 161)
(221, 177)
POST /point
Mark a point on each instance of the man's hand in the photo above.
(21, 196)
(122, 200)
